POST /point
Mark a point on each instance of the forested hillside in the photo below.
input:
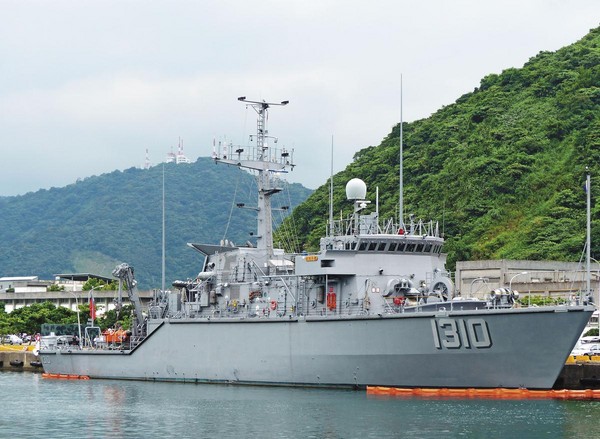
(502, 169)
(93, 224)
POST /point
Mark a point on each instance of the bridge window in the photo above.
(381, 246)
(392, 247)
(372, 246)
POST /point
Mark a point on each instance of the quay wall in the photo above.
(21, 360)
(579, 376)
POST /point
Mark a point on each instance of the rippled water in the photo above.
(34, 407)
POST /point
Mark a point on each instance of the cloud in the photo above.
(87, 87)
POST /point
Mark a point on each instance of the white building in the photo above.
(23, 284)
(17, 292)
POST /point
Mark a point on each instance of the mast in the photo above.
(163, 229)
(589, 231)
(331, 192)
(265, 160)
(401, 196)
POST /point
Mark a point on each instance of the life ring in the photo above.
(273, 305)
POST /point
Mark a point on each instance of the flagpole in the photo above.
(92, 306)
(331, 192)
(401, 176)
(589, 231)
(92, 302)
(163, 231)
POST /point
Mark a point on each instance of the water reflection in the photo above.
(38, 408)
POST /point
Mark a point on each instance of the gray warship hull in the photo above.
(479, 348)
(374, 306)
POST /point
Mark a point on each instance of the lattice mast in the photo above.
(265, 160)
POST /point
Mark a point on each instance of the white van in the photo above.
(12, 339)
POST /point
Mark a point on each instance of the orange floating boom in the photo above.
(64, 377)
(497, 393)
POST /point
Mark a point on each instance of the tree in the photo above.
(30, 318)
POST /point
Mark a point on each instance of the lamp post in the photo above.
(78, 318)
(511, 279)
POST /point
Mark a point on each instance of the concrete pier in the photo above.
(20, 360)
(578, 376)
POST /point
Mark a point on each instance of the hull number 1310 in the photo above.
(460, 333)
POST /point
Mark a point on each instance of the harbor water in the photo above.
(35, 407)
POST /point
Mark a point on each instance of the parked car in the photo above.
(593, 349)
(12, 339)
(586, 349)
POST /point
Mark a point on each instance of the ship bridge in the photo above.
(364, 235)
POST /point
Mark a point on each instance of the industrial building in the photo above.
(550, 279)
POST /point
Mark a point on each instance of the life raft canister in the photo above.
(273, 305)
(331, 299)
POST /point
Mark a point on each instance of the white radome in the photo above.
(356, 189)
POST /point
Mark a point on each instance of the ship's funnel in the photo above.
(356, 189)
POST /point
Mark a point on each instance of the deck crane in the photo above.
(124, 273)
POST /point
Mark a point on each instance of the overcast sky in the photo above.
(87, 86)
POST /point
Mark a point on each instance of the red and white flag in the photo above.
(92, 308)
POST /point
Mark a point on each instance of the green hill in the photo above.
(502, 169)
(93, 224)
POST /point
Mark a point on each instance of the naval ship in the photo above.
(374, 306)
